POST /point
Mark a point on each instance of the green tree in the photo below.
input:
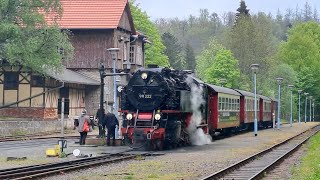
(242, 11)
(154, 53)
(215, 63)
(224, 66)
(173, 50)
(190, 58)
(206, 58)
(302, 53)
(289, 77)
(25, 37)
(303, 47)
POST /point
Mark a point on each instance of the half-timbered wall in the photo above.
(43, 106)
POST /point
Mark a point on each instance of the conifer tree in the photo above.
(190, 58)
(173, 50)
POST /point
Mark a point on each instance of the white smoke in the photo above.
(197, 136)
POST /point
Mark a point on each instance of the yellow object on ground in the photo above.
(52, 152)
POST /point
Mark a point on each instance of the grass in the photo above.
(309, 168)
(18, 163)
(149, 170)
(18, 132)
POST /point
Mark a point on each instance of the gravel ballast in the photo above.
(191, 162)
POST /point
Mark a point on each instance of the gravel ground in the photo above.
(283, 171)
(190, 162)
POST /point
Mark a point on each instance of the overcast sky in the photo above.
(183, 8)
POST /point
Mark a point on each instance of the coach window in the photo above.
(11, 80)
(234, 104)
(238, 103)
(228, 104)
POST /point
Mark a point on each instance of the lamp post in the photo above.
(313, 110)
(102, 73)
(279, 82)
(222, 81)
(310, 108)
(114, 53)
(291, 87)
(254, 68)
(305, 110)
(299, 92)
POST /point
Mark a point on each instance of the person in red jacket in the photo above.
(84, 118)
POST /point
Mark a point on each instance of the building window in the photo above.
(11, 80)
(131, 54)
(125, 51)
(37, 81)
(139, 56)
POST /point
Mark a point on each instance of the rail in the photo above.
(255, 166)
(42, 170)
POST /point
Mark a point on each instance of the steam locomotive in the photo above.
(165, 108)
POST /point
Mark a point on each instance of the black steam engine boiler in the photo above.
(156, 107)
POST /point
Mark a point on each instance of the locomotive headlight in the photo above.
(144, 75)
(157, 117)
(129, 116)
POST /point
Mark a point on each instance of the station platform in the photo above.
(225, 150)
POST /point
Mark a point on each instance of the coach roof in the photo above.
(220, 89)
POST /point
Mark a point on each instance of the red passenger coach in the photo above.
(265, 111)
(223, 108)
(274, 111)
(247, 109)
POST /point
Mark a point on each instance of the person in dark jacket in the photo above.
(100, 122)
(111, 122)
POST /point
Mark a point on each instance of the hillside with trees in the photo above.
(285, 44)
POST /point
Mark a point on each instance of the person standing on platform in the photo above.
(100, 122)
(84, 127)
(112, 122)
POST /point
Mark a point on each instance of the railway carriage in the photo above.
(247, 109)
(274, 110)
(158, 105)
(265, 113)
(223, 108)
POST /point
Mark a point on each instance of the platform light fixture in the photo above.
(310, 108)
(299, 92)
(279, 80)
(291, 87)
(305, 110)
(222, 81)
(255, 68)
(313, 105)
(114, 56)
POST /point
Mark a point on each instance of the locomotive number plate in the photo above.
(145, 96)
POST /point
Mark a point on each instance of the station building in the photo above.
(95, 26)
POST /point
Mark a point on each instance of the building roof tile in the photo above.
(90, 14)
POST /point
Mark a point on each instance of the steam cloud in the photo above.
(197, 136)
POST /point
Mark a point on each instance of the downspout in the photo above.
(8, 105)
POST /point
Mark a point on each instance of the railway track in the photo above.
(43, 170)
(34, 137)
(255, 167)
